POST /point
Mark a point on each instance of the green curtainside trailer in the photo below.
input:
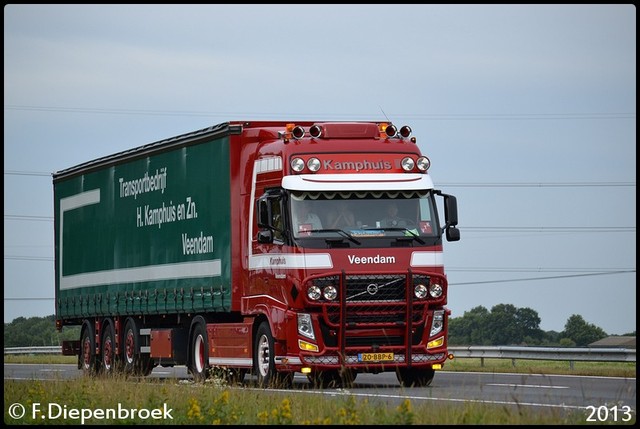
(146, 231)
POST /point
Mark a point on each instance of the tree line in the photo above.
(503, 325)
(506, 325)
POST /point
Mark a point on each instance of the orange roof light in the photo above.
(382, 126)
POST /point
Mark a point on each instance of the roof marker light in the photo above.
(382, 126)
(286, 134)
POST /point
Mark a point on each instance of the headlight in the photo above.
(437, 323)
(305, 328)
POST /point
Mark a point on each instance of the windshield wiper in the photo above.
(412, 234)
(341, 232)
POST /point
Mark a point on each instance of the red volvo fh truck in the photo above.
(257, 247)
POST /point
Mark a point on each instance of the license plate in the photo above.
(375, 357)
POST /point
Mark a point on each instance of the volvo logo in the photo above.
(372, 289)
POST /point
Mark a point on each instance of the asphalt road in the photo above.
(594, 395)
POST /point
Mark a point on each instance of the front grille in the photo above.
(372, 312)
(383, 288)
(373, 299)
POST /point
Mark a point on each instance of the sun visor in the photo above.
(358, 182)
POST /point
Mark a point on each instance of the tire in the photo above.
(108, 358)
(133, 361)
(410, 377)
(199, 365)
(87, 359)
(264, 360)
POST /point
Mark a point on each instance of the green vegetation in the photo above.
(37, 331)
(528, 366)
(507, 325)
(212, 403)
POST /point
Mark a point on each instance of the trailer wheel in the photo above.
(87, 358)
(108, 356)
(264, 360)
(199, 367)
(411, 377)
(134, 362)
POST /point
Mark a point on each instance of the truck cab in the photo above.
(350, 235)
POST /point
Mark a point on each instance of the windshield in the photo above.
(363, 214)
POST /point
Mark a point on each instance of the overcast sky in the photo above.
(527, 112)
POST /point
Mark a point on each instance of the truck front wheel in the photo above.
(264, 360)
(411, 377)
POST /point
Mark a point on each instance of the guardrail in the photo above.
(570, 354)
(42, 350)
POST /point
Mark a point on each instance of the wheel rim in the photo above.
(263, 355)
(199, 353)
(129, 346)
(86, 352)
(107, 353)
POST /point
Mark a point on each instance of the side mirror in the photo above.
(450, 210)
(453, 233)
(450, 216)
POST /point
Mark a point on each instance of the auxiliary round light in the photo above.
(391, 130)
(297, 164)
(423, 163)
(315, 131)
(297, 132)
(314, 293)
(330, 293)
(435, 290)
(420, 291)
(405, 131)
(313, 164)
(408, 163)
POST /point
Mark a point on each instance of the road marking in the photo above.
(541, 386)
